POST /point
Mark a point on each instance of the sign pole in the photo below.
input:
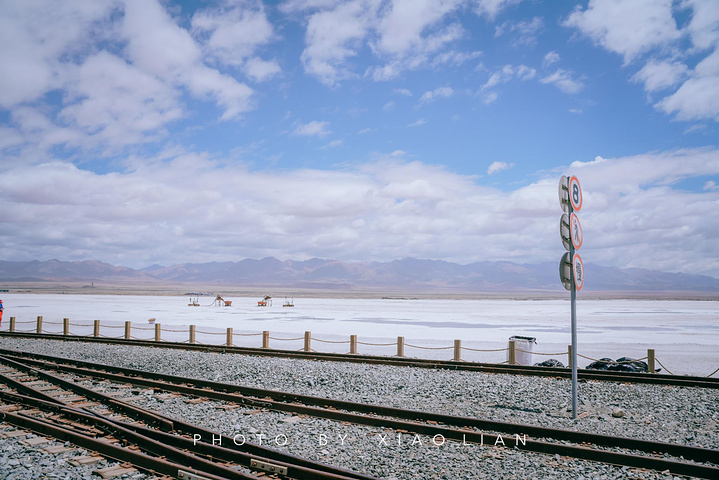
(574, 330)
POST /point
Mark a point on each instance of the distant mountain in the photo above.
(408, 274)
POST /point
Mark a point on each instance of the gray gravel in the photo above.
(670, 414)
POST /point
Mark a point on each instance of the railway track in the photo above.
(148, 440)
(660, 456)
(584, 374)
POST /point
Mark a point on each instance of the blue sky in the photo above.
(138, 132)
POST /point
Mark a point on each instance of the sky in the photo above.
(139, 132)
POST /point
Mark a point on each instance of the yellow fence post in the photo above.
(266, 339)
(512, 352)
(229, 336)
(353, 344)
(39, 324)
(651, 360)
(12, 324)
(458, 350)
(66, 326)
(308, 338)
(192, 334)
(128, 330)
(96, 329)
(158, 331)
(400, 346)
(569, 356)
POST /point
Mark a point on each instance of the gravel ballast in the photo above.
(651, 412)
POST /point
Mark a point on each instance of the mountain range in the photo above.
(408, 274)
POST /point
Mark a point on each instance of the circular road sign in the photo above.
(576, 231)
(564, 230)
(578, 270)
(564, 193)
(575, 194)
(565, 272)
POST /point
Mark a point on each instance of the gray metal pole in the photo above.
(574, 322)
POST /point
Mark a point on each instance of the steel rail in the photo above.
(297, 467)
(219, 391)
(526, 370)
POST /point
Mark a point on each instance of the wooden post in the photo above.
(39, 324)
(651, 360)
(128, 330)
(353, 344)
(569, 354)
(400, 346)
(308, 338)
(66, 326)
(96, 329)
(12, 324)
(458, 350)
(266, 339)
(192, 334)
(158, 331)
(512, 352)
(229, 336)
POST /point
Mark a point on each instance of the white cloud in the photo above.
(491, 8)
(523, 33)
(440, 92)
(489, 97)
(658, 75)
(563, 80)
(329, 47)
(627, 28)
(704, 25)
(498, 167)
(418, 123)
(711, 185)
(507, 73)
(551, 58)
(261, 70)
(157, 45)
(698, 97)
(312, 129)
(232, 34)
(402, 91)
(633, 214)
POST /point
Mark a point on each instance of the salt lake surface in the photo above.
(685, 334)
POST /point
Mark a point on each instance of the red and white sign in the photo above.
(575, 194)
(578, 270)
(575, 229)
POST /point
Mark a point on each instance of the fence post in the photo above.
(569, 353)
(39, 324)
(512, 352)
(66, 326)
(192, 334)
(308, 338)
(229, 336)
(266, 339)
(12, 324)
(128, 330)
(353, 344)
(651, 360)
(96, 328)
(400, 346)
(458, 350)
(158, 331)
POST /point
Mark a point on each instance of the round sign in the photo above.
(576, 231)
(575, 194)
(565, 271)
(578, 270)
(564, 193)
(564, 230)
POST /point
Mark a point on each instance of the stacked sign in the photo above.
(571, 268)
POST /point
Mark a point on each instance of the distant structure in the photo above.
(221, 302)
(265, 301)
